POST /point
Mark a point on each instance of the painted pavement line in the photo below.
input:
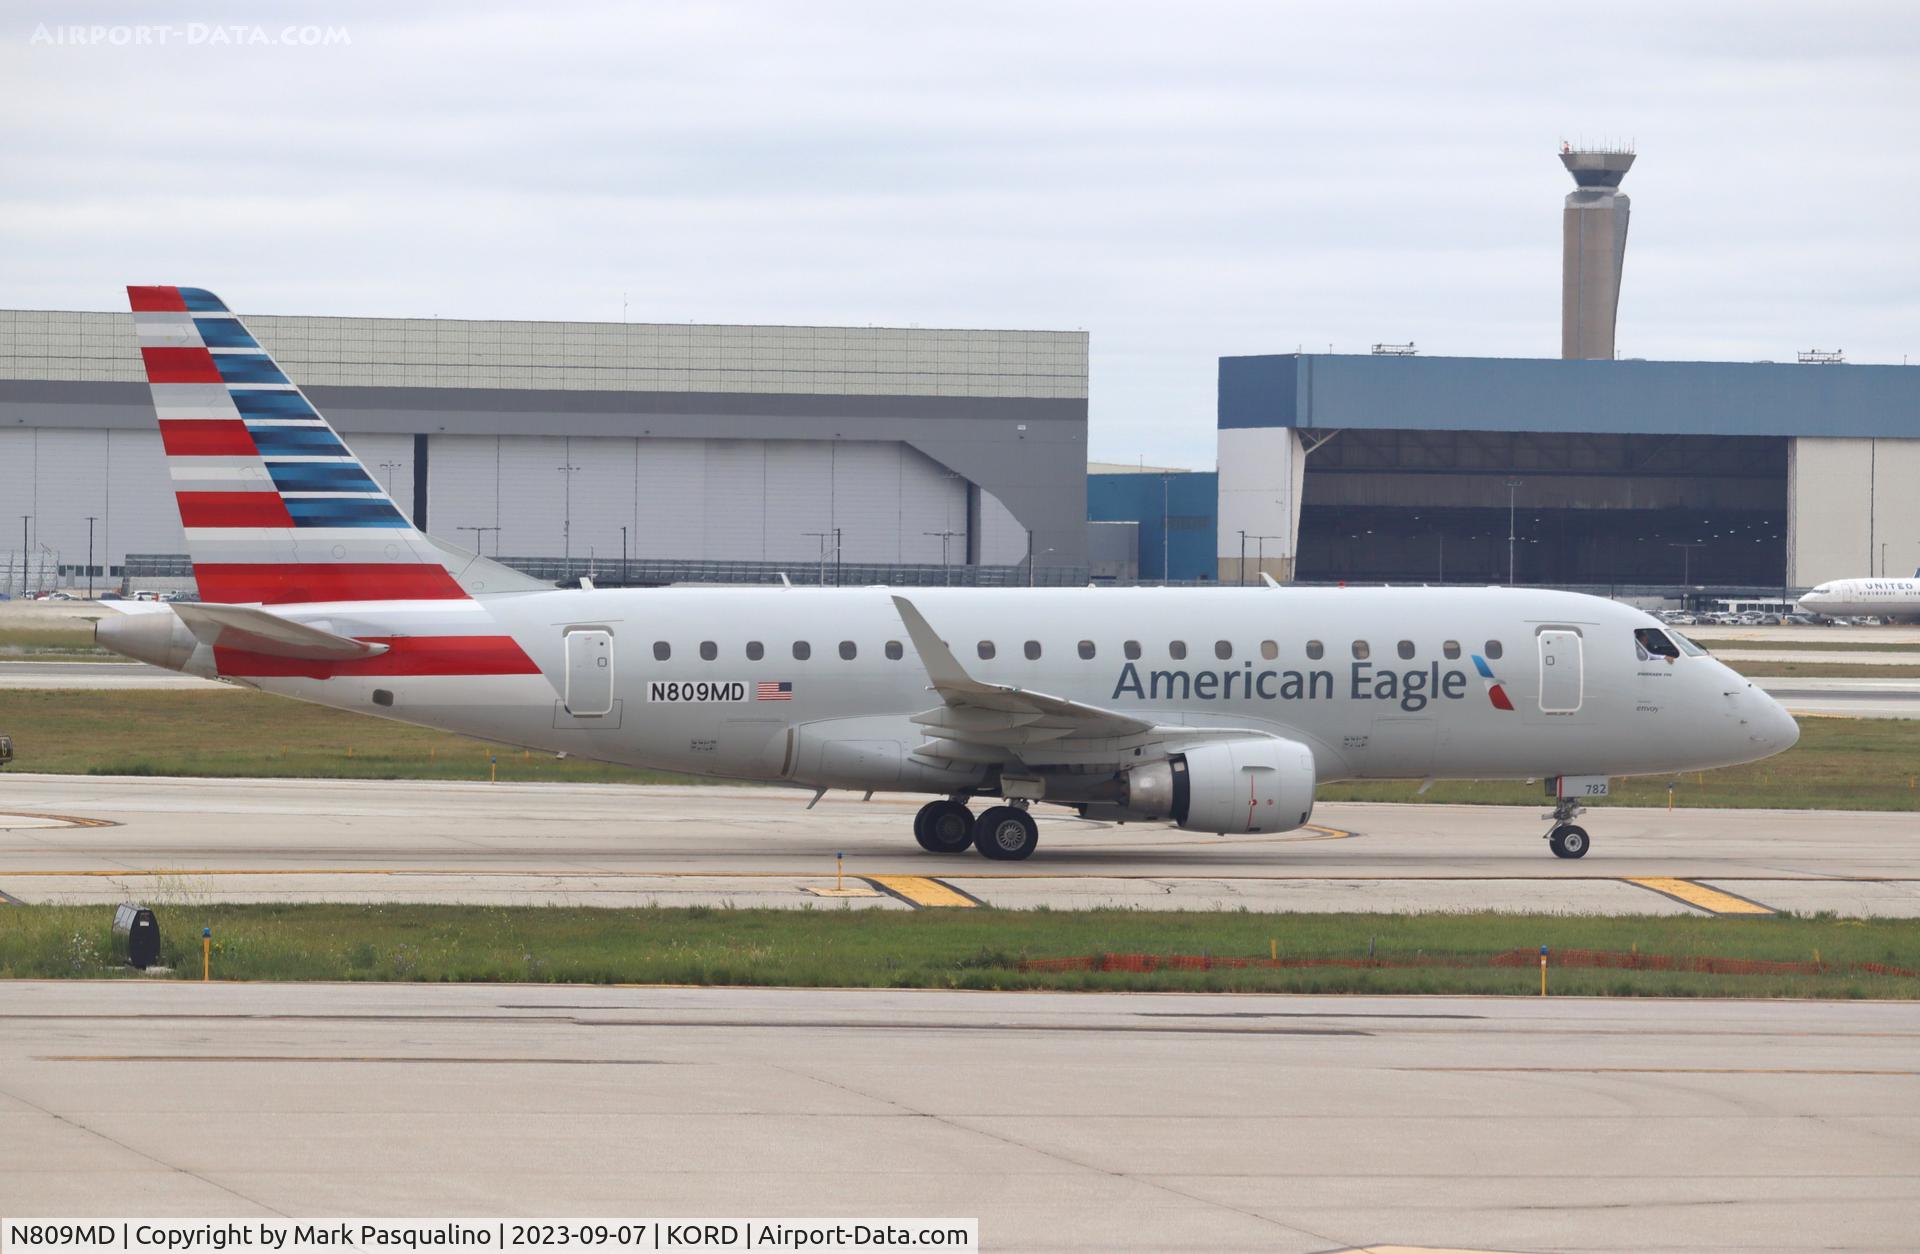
(1712, 900)
(921, 892)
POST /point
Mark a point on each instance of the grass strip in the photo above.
(838, 947)
(1826, 670)
(1800, 646)
(247, 734)
(1839, 764)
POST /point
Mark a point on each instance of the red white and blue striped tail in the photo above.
(277, 509)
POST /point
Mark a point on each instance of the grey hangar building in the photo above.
(660, 451)
(1604, 473)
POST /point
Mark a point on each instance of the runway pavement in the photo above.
(83, 676)
(1064, 1122)
(90, 839)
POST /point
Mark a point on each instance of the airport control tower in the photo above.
(1595, 233)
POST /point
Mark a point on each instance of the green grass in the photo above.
(1839, 764)
(948, 949)
(250, 734)
(52, 644)
(1826, 670)
(1842, 764)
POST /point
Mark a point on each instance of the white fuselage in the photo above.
(1848, 598)
(1585, 699)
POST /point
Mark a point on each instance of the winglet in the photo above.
(942, 667)
(1271, 582)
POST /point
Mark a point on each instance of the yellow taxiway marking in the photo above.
(70, 820)
(1712, 900)
(1412, 1249)
(921, 891)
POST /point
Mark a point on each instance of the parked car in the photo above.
(6, 751)
(111, 596)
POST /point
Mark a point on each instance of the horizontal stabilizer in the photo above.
(258, 631)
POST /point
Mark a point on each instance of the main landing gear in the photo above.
(1003, 833)
(1564, 838)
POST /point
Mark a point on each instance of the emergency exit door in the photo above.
(1561, 682)
(589, 673)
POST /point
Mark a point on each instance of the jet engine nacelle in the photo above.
(1229, 786)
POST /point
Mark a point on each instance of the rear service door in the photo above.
(1561, 682)
(589, 672)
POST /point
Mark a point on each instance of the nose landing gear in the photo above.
(1564, 838)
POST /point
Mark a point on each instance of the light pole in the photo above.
(822, 536)
(390, 467)
(90, 520)
(478, 533)
(1243, 557)
(566, 520)
(946, 571)
(1166, 516)
(1512, 486)
(1686, 561)
(25, 552)
(623, 557)
(1260, 550)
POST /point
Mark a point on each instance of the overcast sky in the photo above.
(1180, 180)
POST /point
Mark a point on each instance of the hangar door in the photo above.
(589, 672)
(1560, 678)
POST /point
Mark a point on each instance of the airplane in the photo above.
(1216, 710)
(1896, 599)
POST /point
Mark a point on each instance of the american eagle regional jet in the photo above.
(1217, 709)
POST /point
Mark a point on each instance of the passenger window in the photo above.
(894, 651)
(1361, 650)
(662, 650)
(1177, 650)
(1655, 642)
(1269, 649)
(1406, 650)
(802, 650)
(1316, 650)
(1451, 648)
(709, 650)
(1132, 650)
(847, 650)
(755, 650)
(1494, 650)
(1033, 650)
(985, 649)
(1223, 649)
(1086, 650)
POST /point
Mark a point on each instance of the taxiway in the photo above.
(96, 839)
(1064, 1122)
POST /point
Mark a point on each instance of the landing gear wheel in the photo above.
(943, 827)
(1568, 841)
(1006, 834)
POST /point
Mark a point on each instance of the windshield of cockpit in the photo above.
(1655, 642)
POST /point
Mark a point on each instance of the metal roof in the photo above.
(1312, 390)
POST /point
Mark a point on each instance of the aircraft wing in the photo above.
(983, 722)
(258, 631)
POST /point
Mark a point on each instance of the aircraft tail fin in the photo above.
(276, 508)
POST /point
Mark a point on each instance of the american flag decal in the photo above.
(769, 690)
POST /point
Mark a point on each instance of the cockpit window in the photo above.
(1687, 646)
(1654, 643)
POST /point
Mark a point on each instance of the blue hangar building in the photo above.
(1405, 469)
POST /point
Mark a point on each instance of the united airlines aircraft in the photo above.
(1217, 710)
(1898, 599)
